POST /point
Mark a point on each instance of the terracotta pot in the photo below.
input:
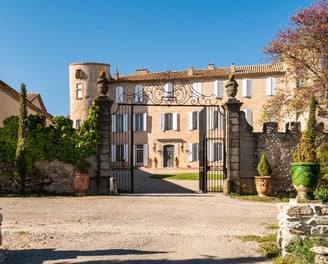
(81, 183)
(263, 185)
(305, 177)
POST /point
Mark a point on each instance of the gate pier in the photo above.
(101, 183)
(232, 144)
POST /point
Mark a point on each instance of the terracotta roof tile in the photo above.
(240, 71)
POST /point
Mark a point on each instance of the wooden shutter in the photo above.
(145, 155)
(270, 86)
(113, 153)
(246, 87)
(144, 121)
(218, 89)
(175, 121)
(113, 123)
(190, 121)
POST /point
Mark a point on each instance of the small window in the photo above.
(119, 94)
(246, 87)
(169, 121)
(79, 74)
(215, 120)
(138, 93)
(218, 89)
(216, 151)
(248, 115)
(193, 120)
(78, 123)
(119, 123)
(197, 90)
(79, 91)
(140, 122)
(141, 155)
(192, 152)
(169, 91)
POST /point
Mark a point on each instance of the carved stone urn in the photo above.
(231, 86)
(102, 84)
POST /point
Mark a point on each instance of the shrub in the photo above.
(263, 167)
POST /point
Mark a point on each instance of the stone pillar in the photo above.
(232, 144)
(104, 157)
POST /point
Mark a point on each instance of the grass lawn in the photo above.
(177, 176)
(186, 176)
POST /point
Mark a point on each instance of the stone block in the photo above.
(320, 231)
(300, 210)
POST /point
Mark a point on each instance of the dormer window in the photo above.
(169, 91)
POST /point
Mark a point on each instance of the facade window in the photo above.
(193, 120)
(246, 87)
(248, 115)
(215, 151)
(79, 74)
(169, 91)
(119, 94)
(218, 89)
(197, 90)
(119, 123)
(120, 152)
(215, 120)
(270, 86)
(192, 152)
(169, 121)
(79, 91)
(138, 93)
(78, 123)
(140, 122)
(141, 155)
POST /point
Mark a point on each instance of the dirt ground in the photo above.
(185, 227)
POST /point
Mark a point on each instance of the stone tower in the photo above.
(83, 89)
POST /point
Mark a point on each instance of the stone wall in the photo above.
(300, 220)
(278, 147)
(52, 177)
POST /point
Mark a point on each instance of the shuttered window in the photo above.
(270, 86)
(246, 87)
(218, 89)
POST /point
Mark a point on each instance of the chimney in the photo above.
(191, 71)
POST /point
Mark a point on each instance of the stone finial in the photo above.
(233, 68)
(231, 86)
(116, 75)
(102, 84)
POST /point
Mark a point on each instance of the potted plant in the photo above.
(87, 143)
(155, 162)
(305, 167)
(176, 161)
(263, 181)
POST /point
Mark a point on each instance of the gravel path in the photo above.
(165, 228)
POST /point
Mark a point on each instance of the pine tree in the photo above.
(20, 158)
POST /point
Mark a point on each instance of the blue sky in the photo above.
(40, 38)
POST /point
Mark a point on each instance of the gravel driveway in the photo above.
(185, 227)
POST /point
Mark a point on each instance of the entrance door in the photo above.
(168, 156)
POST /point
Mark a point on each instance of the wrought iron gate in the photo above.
(212, 170)
(168, 91)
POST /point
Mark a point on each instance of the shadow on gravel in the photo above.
(143, 184)
(40, 256)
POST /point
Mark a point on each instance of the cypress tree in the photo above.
(20, 157)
